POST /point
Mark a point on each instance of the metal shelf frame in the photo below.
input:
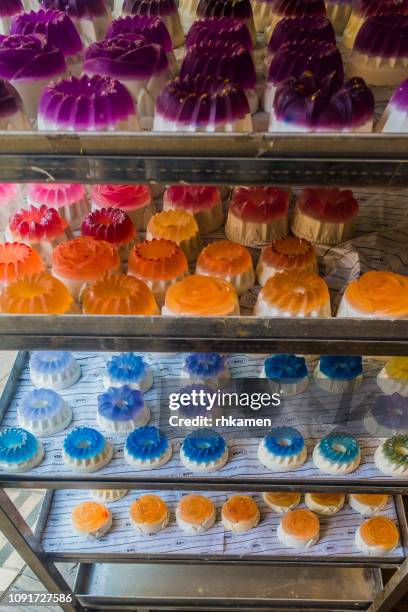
(285, 159)
(341, 159)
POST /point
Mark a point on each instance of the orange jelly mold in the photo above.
(300, 293)
(327, 499)
(118, 294)
(36, 294)
(157, 260)
(36, 224)
(282, 498)
(84, 258)
(323, 204)
(90, 516)
(176, 225)
(290, 253)
(198, 295)
(381, 294)
(301, 524)
(195, 509)
(224, 258)
(239, 508)
(192, 198)
(259, 204)
(379, 531)
(149, 509)
(16, 260)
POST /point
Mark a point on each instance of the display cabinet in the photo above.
(235, 579)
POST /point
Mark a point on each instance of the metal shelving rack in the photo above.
(206, 583)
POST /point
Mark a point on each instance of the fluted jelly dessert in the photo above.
(112, 225)
(257, 215)
(294, 58)
(199, 295)
(91, 17)
(117, 294)
(290, 9)
(306, 104)
(199, 104)
(83, 260)
(227, 260)
(236, 9)
(289, 253)
(214, 29)
(380, 51)
(35, 294)
(19, 450)
(364, 9)
(87, 104)
(159, 263)
(178, 226)
(54, 369)
(295, 293)
(325, 215)
(300, 29)
(165, 9)
(18, 259)
(203, 202)
(229, 61)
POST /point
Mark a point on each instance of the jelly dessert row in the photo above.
(283, 449)
(124, 71)
(286, 374)
(299, 527)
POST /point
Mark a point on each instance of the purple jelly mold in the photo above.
(10, 101)
(240, 9)
(149, 7)
(299, 8)
(383, 36)
(88, 103)
(399, 98)
(369, 8)
(219, 28)
(128, 56)
(56, 26)
(293, 59)
(80, 9)
(221, 59)
(202, 101)
(29, 57)
(391, 412)
(8, 8)
(324, 105)
(299, 29)
(152, 28)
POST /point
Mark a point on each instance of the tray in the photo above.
(259, 545)
(313, 413)
(219, 587)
